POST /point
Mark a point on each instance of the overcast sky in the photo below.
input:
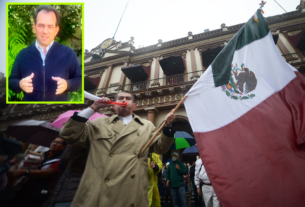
(150, 20)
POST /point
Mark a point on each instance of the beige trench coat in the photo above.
(114, 175)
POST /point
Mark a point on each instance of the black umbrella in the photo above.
(34, 132)
(10, 147)
(191, 151)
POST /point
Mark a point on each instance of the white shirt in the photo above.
(126, 119)
(202, 175)
(40, 49)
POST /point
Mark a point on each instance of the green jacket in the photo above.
(175, 176)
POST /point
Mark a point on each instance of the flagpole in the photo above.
(160, 128)
(120, 21)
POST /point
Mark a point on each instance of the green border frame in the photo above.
(83, 69)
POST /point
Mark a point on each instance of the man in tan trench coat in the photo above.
(115, 176)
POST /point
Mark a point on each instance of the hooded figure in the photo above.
(154, 167)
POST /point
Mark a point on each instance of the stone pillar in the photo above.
(200, 53)
(151, 114)
(186, 75)
(193, 61)
(101, 75)
(149, 77)
(156, 76)
(194, 75)
(282, 46)
(108, 76)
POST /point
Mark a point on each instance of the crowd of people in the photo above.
(100, 163)
(55, 182)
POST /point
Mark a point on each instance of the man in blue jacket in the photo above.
(46, 70)
(174, 177)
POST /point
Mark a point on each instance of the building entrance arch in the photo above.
(180, 123)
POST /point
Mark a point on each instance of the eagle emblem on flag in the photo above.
(242, 82)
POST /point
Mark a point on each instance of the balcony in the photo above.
(295, 59)
(155, 86)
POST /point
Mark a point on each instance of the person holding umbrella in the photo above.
(42, 180)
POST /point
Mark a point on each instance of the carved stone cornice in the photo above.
(289, 25)
(215, 33)
(183, 48)
(152, 108)
(95, 72)
(107, 59)
(104, 64)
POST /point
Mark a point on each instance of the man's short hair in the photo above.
(64, 142)
(116, 95)
(47, 8)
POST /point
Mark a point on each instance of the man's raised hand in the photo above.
(26, 83)
(152, 165)
(101, 103)
(62, 85)
(169, 118)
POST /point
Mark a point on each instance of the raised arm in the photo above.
(76, 131)
(162, 142)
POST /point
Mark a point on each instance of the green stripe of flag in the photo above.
(251, 31)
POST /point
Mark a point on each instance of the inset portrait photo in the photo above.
(45, 53)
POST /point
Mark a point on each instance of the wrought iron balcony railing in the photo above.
(294, 57)
(151, 84)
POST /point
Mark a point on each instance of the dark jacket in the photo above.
(68, 183)
(192, 174)
(30, 193)
(61, 61)
(175, 176)
(66, 187)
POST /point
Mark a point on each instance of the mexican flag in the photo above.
(247, 112)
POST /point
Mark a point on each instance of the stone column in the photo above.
(282, 46)
(185, 77)
(156, 76)
(194, 75)
(151, 114)
(193, 61)
(107, 78)
(200, 53)
(101, 75)
(149, 77)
